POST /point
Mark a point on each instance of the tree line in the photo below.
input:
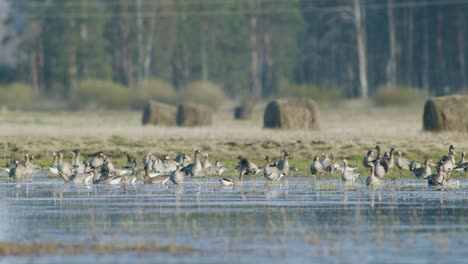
(256, 48)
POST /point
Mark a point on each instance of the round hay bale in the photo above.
(157, 113)
(292, 114)
(194, 115)
(244, 111)
(447, 113)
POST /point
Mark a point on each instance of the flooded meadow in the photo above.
(300, 219)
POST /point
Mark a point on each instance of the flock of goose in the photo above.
(100, 168)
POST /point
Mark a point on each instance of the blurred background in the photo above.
(116, 54)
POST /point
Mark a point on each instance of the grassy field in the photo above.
(348, 131)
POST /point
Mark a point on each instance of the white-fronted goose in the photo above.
(271, 173)
(183, 159)
(462, 164)
(316, 166)
(85, 177)
(372, 180)
(169, 165)
(401, 162)
(423, 172)
(97, 161)
(80, 167)
(205, 164)
(53, 170)
(389, 160)
(325, 161)
(283, 164)
(368, 158)
(176, 176)
(243, 163)
(348, 175)
(64, 168)
(154, 180)
(379, 170)
(234, 182)
(414, 164)
(17, 172)
(193, 168)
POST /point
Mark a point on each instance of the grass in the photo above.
(54, 249)
(348, 132)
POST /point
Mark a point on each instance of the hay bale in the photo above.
(292, 114)
(157, 113)
(447, 113)
(244, 111)
(194, 115)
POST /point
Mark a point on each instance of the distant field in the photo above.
(348, 132)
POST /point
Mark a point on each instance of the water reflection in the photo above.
(301, 219)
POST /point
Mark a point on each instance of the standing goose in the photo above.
(438, 178)
(80, 167)
(176, 176)
(64, 168)
(271, 173)
(414, 164)
(243, 163)
(183, 159)
(377, 150)
(367, 159)
(389, 160)
(450, 157)
(17, 172)
(348, 175)
(169, 165)
(53, 170)
(325, 161)
(234, 182)
(193, 168)
(379, 170)
(107, 175)
(217, 169)
(372, 180)
(462, 164)
(423, 172)
(85, 177)
(283, 164)
(401, 162)
(97, 161)
(384, 161)
(316, 167)
(205, 164)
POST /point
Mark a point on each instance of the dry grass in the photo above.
(348, 132)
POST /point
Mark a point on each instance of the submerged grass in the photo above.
(34, 249)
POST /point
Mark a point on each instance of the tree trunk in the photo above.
(461, 48)
(34, 73)
(442, 85)
(391, 64)
(140, 42)
(359, 18)
(256, 88)
(426, 56)
(409, 48)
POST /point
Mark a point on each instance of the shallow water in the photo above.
(298, 220)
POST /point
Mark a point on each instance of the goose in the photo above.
(154, 180)
(243, 163)
(272, 173)
(425, 171)
(176, 176)
(389, 160)
(449, 162)
(17, 172)
(64, 168)
(372, 180)
(85, 177)
(316, 167)
(377, 150)
(193, 168)
(205, 164)
(348, 175)
(379, 170)
(107, 175)
(325, 161)
(283, 164)
(414, 164)
(29, 167)
(146, 160)
(401, 162)
(234, 182)
(97, 161)
(220, 168)
(462, 164)
(384, 162)
(183, 159)
(80, 167)
(169, 165)
(156, 165)
(53, 170)
(367, 158)
(441, 176)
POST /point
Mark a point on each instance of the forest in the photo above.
(247, 48)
